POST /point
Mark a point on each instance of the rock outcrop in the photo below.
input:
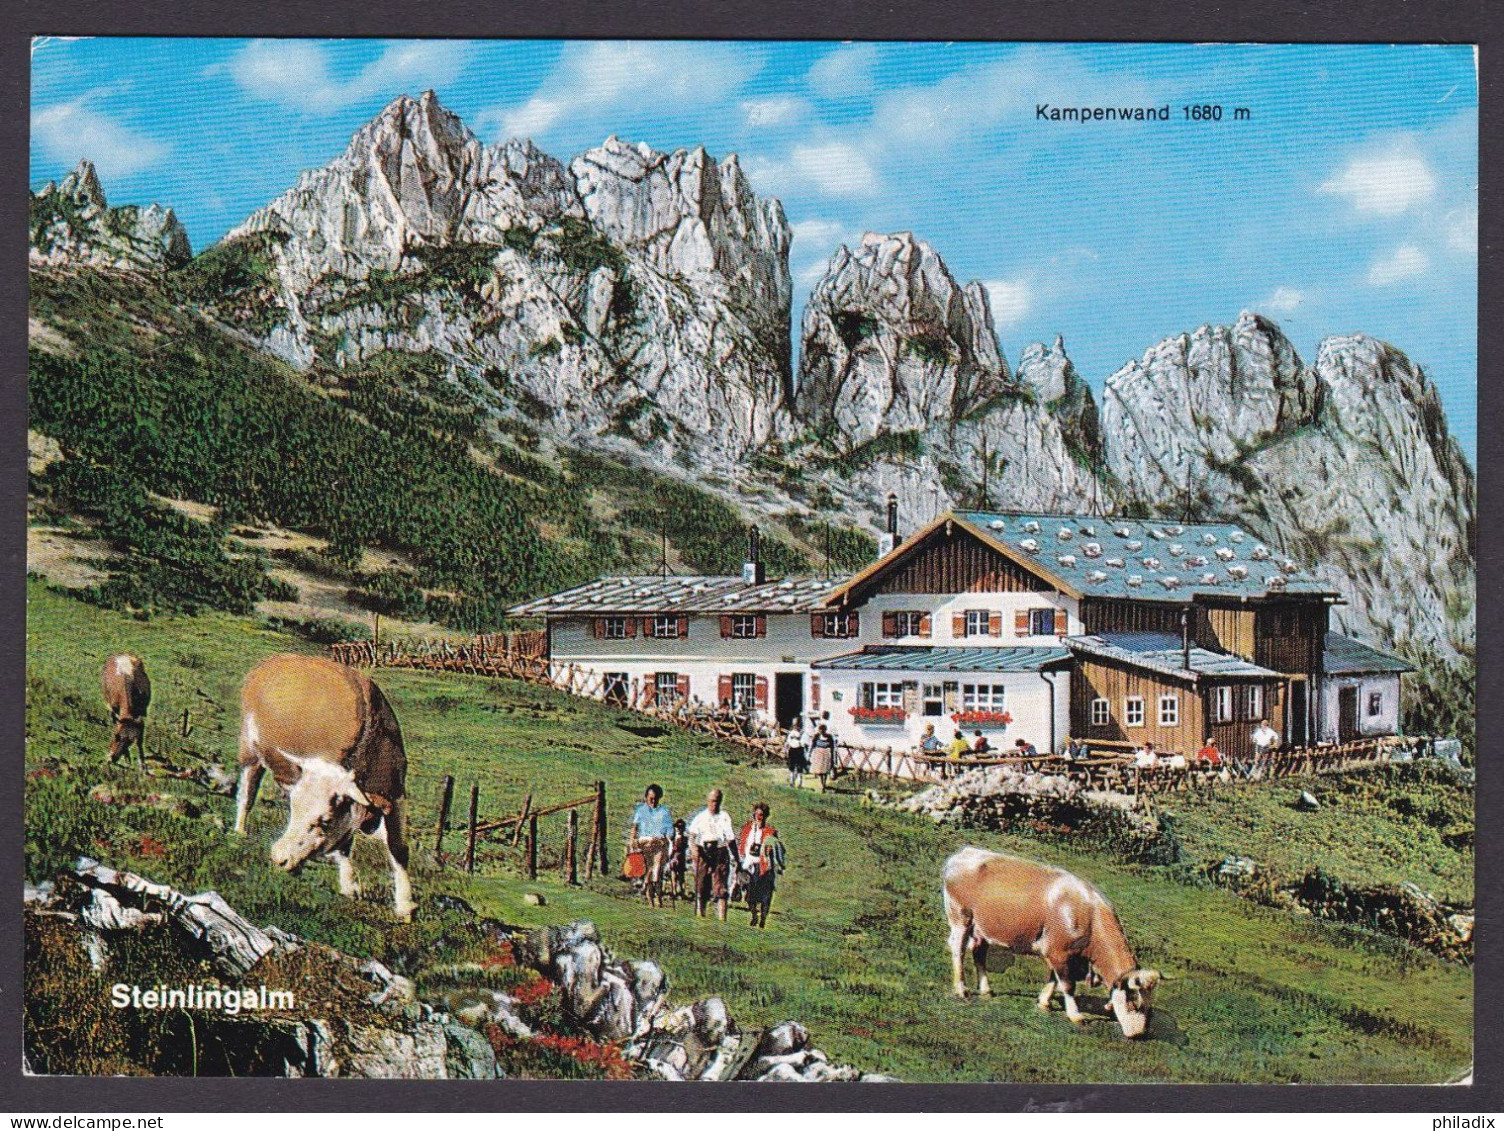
(1346, 466)
(72, 224)
(635, 299)
(902, 383)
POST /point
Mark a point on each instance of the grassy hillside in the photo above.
(146, 395)
(855, 949)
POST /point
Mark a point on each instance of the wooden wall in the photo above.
(1282, 635)
(1103, 679)
(955, 564)
(1099, 614)
(1291, 635)
(1228, 628)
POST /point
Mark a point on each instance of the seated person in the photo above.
(959, 747)
(1209, 755)
(980, 745)
(1075, 749)
(930, 742)
(1025, 749)
(1145, 757)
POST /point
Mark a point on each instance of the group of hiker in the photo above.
(809, 747)
(726, 863)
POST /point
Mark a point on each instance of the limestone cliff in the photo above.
(73, 224)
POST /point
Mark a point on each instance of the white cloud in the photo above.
(1404, 262)
(1384, 183)
(1284, 300)
(592, 79)
(296, 72)
(761, 113)
(1461, 228)
(836, 168)
(68, 131)
(1010, 299)
(844, 71)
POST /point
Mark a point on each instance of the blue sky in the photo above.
(1346, 202)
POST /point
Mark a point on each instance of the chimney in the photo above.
(752, 571)
(889, 538)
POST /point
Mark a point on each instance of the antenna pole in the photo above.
(663, 561)
(827, 547)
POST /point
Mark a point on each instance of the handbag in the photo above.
(633, 866)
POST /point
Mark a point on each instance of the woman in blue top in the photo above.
(652, 828)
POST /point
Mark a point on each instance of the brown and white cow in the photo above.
(127, 692)
(1029, 908)
(329, 736)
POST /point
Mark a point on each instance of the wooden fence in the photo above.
(522, 830)
(522, 656)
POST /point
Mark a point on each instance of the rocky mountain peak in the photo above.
(73, 224)
(892, 343)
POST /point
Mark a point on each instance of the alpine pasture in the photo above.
(855, 948)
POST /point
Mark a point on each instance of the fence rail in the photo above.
(523, 656)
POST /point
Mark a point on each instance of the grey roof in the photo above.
(689, 595)
(908, 658)
(1161, 652)
(1135, 558)
(1346, 656)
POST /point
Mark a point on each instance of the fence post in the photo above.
(532, 847)
(600, 826)
(470, 840)
(574, 839)
(445, 799)
(527, 807)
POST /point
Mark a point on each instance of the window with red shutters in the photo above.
(683, 627)
(631, 627)
(723, 690)
(924, 624)
(762, 625)
(817, 625)
(647, 627)
(761, 692)
(994, 624)
(890, 624)
(958, 625)
(1061, 624)
(1021, 622)
(726, 628)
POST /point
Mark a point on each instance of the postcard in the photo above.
(751, 561)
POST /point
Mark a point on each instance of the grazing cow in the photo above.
(329, 736)
(1031, 908)
(127, 692)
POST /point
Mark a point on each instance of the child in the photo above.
(678, 858)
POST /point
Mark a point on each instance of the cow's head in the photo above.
(1130, 1000)
(127, 732)
(324, 807)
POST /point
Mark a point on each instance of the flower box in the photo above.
(982, 718)
(893, 716)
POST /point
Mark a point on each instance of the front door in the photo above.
(788, 697)
(1347, 714)
(1296, 724)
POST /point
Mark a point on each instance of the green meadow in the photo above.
(856, 945)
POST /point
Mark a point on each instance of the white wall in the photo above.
(1027, 699)
(1386, 722)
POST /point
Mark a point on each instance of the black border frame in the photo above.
(1273, 21)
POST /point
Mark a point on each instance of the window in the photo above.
(744, 627)
(934, 699)
(664, 628)
(976, 622)
(881, 695)
(1133, 711)
(1222, 704)
(1101, 712)
(1375, 703)
(1041, 622)
(666, 687)
(909, 624)
(1254, 702)
(743, 689)
(614, 628)
(982, 696)
(838, 624)
(1169, 710)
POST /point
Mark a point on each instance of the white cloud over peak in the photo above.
(1461, 228)
(72, 130)
(845, 71)
(1284, 300)
(1384, 183)
(296, 73)
(761, 113)
(1405, 262)
(592, 79)
(1010, 299)
(835, 168)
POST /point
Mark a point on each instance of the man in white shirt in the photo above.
(1145, 758)
(1265, 742)
(710, 837)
